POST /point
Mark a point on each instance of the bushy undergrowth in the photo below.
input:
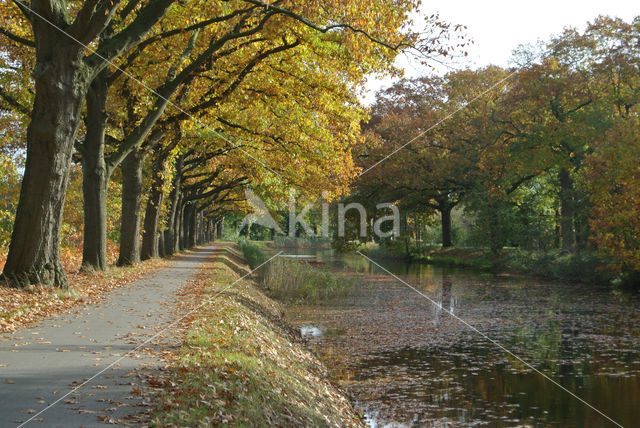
(295, 280)
(302, 242)
(394, 249)
(479, 259)
(252, 253)
(583, 266)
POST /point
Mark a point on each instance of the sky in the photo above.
(498, 27)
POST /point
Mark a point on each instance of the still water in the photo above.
(405, 361)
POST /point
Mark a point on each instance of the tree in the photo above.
(196, 59)
(614, 189)
(118, 28)
(612, 166)
(439, 166)
(62, 74)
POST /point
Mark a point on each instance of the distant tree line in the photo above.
(542, 155)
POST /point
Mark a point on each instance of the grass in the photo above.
(302, 242)
(385, 252)
(475, 258)
(252, 252)
(242, 366)
(294, 281)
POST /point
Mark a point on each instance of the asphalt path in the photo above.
(39, 366)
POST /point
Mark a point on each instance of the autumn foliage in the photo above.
(542, 156)
(163, 112)
(614, 189)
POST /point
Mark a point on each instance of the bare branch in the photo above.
(326, 29)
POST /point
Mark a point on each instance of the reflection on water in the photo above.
(407, 362)
(310, 331)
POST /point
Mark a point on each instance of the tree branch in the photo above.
(25, 10)
(328, 28)
(93, 19)
(211, 102)
(131, 35)
(17, 38)
(10, 99)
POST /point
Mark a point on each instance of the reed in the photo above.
(295, 280)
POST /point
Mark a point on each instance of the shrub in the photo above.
(584, 266)
(301, 242)
(252, 253)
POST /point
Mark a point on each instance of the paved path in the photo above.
(39, 365)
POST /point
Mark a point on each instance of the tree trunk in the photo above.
(95, 178)
(174, 196)
(150, 229)
(178, 224)
(169, 233)
(189, 225)
(161, 246)
(131, 196)
(209, 231)
(166, 243)
(191, 228)
(184, 226)
(184, 239)
(566, 211)
(219, 229)
(445, 212)
(404, 225)
(201, 238)
(152, 213)
(198, 228)
(60, 86)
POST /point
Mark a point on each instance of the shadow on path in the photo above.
(40, 364)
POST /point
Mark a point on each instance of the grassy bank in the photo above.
(241, 365)
(292, 280)
(474, 258)
(302, 242)
(584, 266)
(253, 252)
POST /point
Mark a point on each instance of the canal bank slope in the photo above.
(240, 364)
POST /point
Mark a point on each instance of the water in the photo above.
(406, 361)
